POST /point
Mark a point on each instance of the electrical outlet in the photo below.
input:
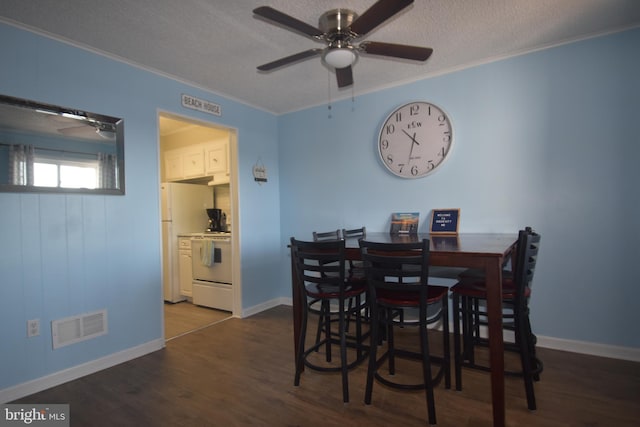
(33, 328)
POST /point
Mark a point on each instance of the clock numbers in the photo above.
(390, 128)
(414, 109)
(390, 159)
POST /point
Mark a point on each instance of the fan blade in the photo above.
(77, 130)
(345, 76)
(290, 59)
(288, 21)
(377, 14)
(396, 50)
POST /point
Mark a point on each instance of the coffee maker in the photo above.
(215, 219)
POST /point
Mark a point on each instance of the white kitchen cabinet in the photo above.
(215, 154)
(184, 266)
(173, 165)
(184, 163)
(193, 161)
(208, 159)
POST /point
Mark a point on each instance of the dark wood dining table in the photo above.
(487, 252)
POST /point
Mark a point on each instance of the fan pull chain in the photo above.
(329, 91)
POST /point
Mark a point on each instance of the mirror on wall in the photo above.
(48, 148)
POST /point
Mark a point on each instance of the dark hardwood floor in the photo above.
(240, 373)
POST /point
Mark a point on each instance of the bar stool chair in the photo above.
(397, 274)
(469, 300)
(320, 269)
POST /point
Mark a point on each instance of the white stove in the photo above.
(211, 269)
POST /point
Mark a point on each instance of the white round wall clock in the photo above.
(415, 139)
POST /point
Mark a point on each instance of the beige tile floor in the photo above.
(183, 317)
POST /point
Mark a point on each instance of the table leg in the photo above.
(493, 273)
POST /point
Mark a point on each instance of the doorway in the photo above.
(175, 134)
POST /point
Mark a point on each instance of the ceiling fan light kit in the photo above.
(339, 57)
(338, 28)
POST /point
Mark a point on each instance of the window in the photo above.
(51, 172)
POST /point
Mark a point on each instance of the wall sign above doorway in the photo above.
(198, 104)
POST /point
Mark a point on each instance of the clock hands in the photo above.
(413, 138)
(413, 142)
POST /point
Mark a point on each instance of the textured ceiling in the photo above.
(217, 44)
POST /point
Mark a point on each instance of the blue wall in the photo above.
(64, 255)
(549, 139)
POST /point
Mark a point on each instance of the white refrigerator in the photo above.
(183, 212)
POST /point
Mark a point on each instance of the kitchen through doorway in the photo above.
(197, 162)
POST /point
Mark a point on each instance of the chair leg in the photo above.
(445, 342)
(371, 370)
(456, 341)
(525, 357)
(301, 347)
(320, 325)
(391, 343)
(426, 368)
(470, 328)
(348, 317)
(342, 327)
(326, 315)
(358, 316)
(536, 365)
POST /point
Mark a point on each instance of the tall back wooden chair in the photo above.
(397, 276)
(320, 270)
(469, 302)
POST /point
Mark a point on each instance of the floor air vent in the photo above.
(78, 328)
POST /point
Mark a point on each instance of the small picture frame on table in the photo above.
(404, 223)
(445, 221)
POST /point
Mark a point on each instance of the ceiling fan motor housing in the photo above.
(336, 25)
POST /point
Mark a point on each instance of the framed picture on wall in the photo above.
(445, 221)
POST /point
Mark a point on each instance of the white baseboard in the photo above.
(593, 349)
(75, 372)
(573, 346)
(265, 306)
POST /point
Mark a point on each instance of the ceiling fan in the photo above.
(338, 28)
(88, 128)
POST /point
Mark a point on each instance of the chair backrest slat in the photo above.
(319, 236)
(396, 266)
(355, 232)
